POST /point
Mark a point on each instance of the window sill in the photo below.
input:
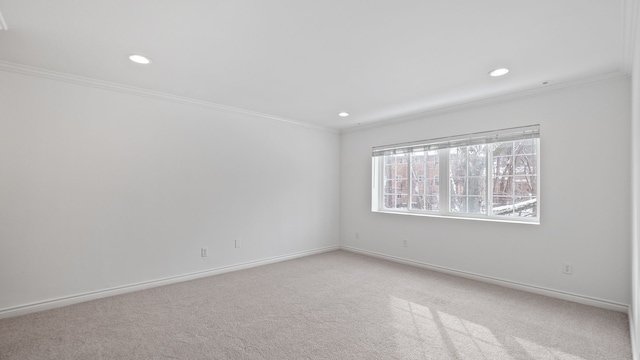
(530, 221)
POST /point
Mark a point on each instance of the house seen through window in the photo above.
(490, 175)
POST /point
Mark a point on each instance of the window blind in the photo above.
(486, 137)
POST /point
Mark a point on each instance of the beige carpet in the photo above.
(336, 305)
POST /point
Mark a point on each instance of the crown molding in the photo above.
(470, 103)
(132, 90)
(478, 102)
(629, 34)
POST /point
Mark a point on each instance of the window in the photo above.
(490, 175)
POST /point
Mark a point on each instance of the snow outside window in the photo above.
(491, 175)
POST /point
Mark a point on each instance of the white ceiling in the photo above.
(308, 60)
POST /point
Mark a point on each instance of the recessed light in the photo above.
(139, 59)
(498, 72)
(343, 114)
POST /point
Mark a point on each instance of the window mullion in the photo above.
(507, 186)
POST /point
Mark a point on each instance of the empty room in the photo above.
(319, 179)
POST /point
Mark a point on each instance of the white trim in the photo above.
(93, 295)
(132, 90)
(444, 146)
(126, 89)
(463, 216)
(483, 101)
(635, 352)
(586, 300)
(453, 141)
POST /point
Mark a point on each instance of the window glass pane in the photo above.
(458, 162)
(525, 206)
(476, 160)
(396, 190)
(458, 186)
(476, 186)
(433, 164)
(417, 202)
(431, 203)
(524, 186)
(458, 204)
(395, 201)
(468, 204)
(502, 149)
(424, 166)
(389, 201)
(389, 186)
(503, 185)
(504, 180)
(519, 206)
(514, 182)
(523, 147)
(503, 205)
(475, 205)
(401, 186)
(432, 186)
(467, 176)
(389, 160)
(402, 201)
(503, 165)
(525, 165)
(389, 171)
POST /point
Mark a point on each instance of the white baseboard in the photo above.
(93, 295)
(586, 300)
(635, 351)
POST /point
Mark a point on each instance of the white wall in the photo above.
(100, 189)
(635, 214)
(585, 205)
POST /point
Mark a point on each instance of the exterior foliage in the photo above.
(495, 179)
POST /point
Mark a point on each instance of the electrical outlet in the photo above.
(357, 235)
(204, 252)
(567, 268)
(404, 243)
(238, 243)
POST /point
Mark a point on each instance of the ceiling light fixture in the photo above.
(139, 59)
(343, 114)
(498, 72)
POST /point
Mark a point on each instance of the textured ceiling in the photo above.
(308, 60)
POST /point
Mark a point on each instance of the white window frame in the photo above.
(443, 146)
